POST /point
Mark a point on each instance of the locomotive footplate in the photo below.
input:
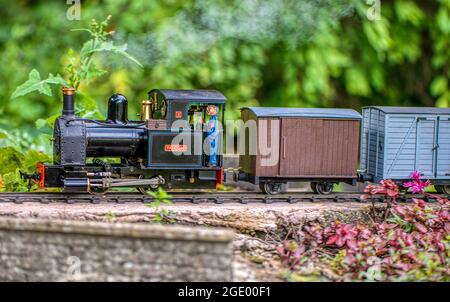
(94, 178)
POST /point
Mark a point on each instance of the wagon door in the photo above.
(426, 146)
(443, 149)
(291, 154)
(301, 147)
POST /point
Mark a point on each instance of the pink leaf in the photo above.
(332, 240)
(352, 244)
(420, 227)
(280, 250)
(400, 210)
(420, 202)
(392, 193)
(340, 241)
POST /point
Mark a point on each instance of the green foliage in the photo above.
(35, 83)
(160, 196)
(11, 182)
(270, 53)
(81, 67)
(84, 68)
(110, 216)
(13, 161)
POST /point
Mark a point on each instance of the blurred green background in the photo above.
(318, 53)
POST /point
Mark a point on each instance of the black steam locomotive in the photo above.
(148, 157)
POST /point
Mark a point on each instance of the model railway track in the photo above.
(196, 198)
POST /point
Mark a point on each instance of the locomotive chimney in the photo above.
(68, 101)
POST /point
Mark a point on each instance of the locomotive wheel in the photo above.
(97, 191)
(443, 189)
(271, 188)
(145, 190)
(323, 188)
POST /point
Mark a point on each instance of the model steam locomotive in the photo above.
(321, 146)
(148, 158)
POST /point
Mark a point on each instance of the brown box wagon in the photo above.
(315, 145)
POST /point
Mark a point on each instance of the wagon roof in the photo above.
(411, 110)
(191, 95)
(304, 112)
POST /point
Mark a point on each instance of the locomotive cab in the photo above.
(184, 134)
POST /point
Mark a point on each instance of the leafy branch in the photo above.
(35, 83)
(81, 66)
(161, 196)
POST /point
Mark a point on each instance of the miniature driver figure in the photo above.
(212, 134)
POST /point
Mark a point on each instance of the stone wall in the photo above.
(45, 250)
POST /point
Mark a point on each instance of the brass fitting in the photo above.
(68, 90)
(146, 110)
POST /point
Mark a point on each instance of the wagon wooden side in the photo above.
(320, 146)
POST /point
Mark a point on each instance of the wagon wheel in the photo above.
(271, 188)
(443, 189)
(323, 188)
(314, 187)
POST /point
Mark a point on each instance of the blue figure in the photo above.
(212, 134)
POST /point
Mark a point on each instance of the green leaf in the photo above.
(91, 72)
(443, 20)
(3, 134)
(82, 29)
(444, 100)
(356, 82)
(87, 107)
(108, 46)
(378, 35)
(438, 86)
(51, 120)
(88, 47)
(156, 203)
(34, 83)
(48, 122)
(408, 11)
(40, 123)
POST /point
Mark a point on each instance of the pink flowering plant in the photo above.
(411, 243)
(416, 185)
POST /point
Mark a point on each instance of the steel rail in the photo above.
(198, 197)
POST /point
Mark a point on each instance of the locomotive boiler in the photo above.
(164, 148)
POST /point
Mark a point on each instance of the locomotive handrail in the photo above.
(137, 124)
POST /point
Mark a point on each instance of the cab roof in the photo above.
(191, 95)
